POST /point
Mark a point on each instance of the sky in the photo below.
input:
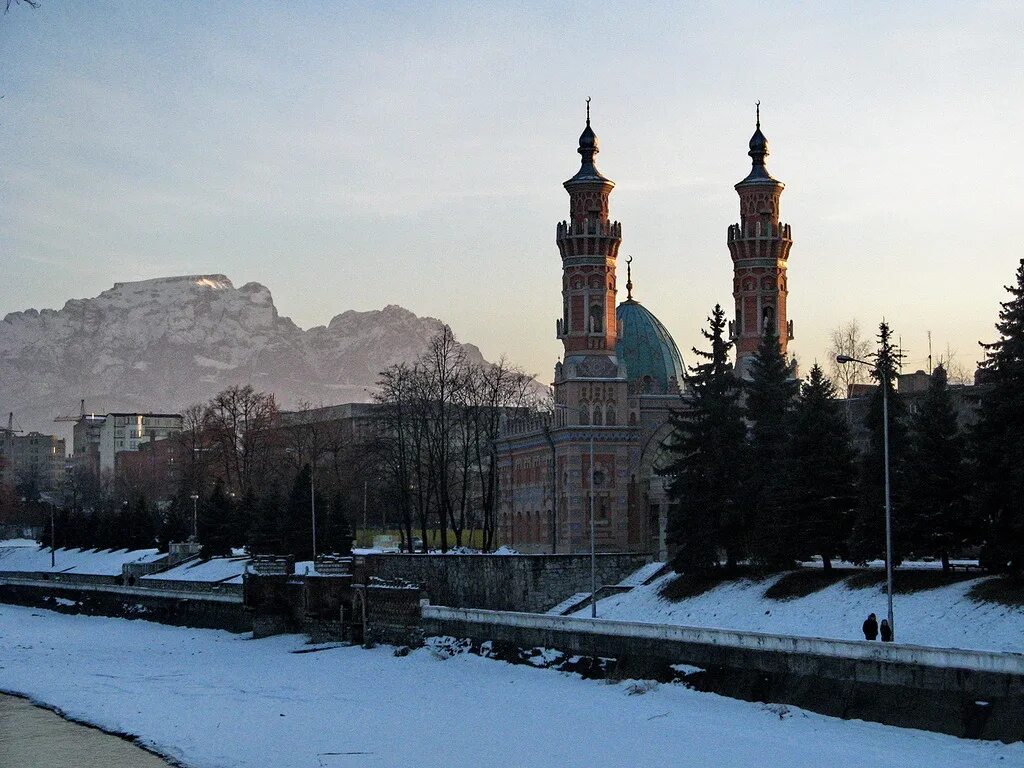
(353, 155)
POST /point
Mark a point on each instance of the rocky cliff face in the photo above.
(163, 344)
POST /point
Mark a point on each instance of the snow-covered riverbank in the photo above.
(946, 616)
(215, 700)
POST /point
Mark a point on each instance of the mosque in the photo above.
(622, 375)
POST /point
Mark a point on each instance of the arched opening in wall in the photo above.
(646, 385)
(609, 418)
(527, 532)
(598, 421)
(768, 320)
(596, 319)
(584, 414)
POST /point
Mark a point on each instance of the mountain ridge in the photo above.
(165, 343)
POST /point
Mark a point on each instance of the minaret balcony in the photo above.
(758, 231)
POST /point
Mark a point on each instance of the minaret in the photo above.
(759, 246)
(589, 244)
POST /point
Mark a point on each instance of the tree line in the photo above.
(439, 421)
(246, 475)
(765, 470)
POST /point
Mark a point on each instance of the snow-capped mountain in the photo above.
(163, 344)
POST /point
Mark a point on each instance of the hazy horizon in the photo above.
(349, 157)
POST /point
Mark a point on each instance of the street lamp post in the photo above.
(843, 359)
(312, 495)
(53, 540)
(593, 551)
(195, 517)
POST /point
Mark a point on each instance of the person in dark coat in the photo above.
(886, 631)
(870, 627)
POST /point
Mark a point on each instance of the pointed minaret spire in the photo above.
(629, 278)
(588, 148)
(758, 151)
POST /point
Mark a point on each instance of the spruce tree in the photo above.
(337, 536)
(820, 471)
(936, 512)
(868, 538)
(707, 443)
(999, 437)
(215, 523)
(770, 393)
(298, 520)
(266, 535)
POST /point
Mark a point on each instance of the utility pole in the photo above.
(593, 551)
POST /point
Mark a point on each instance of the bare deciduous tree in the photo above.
(847, 340)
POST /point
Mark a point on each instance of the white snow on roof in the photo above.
(105, 562)
(214, 569)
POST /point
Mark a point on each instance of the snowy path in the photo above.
(215, 700)
(943, 617)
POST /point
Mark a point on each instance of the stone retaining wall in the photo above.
(502, 582)
(965, 693)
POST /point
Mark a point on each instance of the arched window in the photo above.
(610, 416)
(584, 414)
(768, 320)
(596, 319)
(598, 421)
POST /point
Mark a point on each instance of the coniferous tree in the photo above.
(215, 523)
(175, 523)
(142, 529)
(769, 399)
(936, 513)
(337, 536)
(266, 536)
(298, 520)
(868, 538)
(999, 437)
(820, 471)
(708, 445)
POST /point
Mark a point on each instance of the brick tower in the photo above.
(759, 246)
(589, 244)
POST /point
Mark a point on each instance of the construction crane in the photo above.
(10, 426)
(79, 417)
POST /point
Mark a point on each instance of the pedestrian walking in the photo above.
(870, 627)
(886, 631)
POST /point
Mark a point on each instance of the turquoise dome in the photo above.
(647, 349)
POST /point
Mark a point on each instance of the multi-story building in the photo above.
(98, 439)
(85, 441)
(31, 459)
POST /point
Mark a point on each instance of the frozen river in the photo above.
(211, 699)
(32, 737)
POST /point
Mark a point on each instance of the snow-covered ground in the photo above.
(18, 543)
(223, 569)
(104, 562)
(943, 617)
(211, 699)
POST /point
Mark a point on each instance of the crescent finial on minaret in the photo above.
(588, 110)
(629, 278)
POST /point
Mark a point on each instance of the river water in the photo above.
(32, 737)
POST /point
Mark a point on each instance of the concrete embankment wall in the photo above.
(964, 693)
(209, 611)
(503, 582)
